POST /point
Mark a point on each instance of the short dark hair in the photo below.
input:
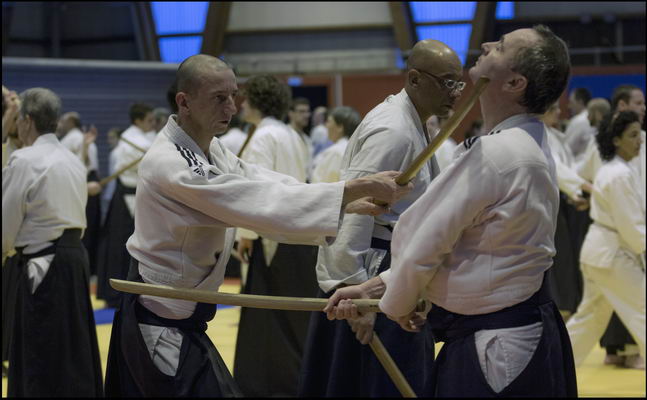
(622, 92)
(547, 67)
(611, 128)
(170, 97)
(582, 95)
(43, 106)
(139, 111)
(298, 101)
(269, 96)
(347, 117)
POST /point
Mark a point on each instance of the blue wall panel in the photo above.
(603, 85)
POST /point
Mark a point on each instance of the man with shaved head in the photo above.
(389, 138)
(191, 194)
(478, 242)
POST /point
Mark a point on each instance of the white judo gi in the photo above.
(187, 204)
(612, 260)
(328, 163)
(480, 239)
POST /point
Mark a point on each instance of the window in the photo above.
(175, 22)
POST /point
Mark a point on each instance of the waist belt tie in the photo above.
(448, 326)
(69, 237)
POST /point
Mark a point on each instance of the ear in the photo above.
(616, 141)
(413, 78)
(181, 101)
(516, 84)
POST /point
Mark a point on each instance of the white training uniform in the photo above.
(73, 141)
(389, 138)
(329, 162)
(445, 153)
(125, 154)
(34, 209)
(567, 178)
(320, 140)
(187, 205)
(480, 239)
(579, 134)
(279, 148)
(612, 260)
(233, 139)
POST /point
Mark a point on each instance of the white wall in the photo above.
(290, 15)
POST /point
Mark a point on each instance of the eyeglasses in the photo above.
(449, 83)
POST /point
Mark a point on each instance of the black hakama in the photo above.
(131, 372)
(92, 231)
(54, 350)
(10, 281)
(616, 336)
(332, 351)
(564, 277)
(270, 343)
(114, 258)
(457, 371)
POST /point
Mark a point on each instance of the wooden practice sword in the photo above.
(243, 300)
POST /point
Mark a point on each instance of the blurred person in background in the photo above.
(578, 131)
(340, 124)
(613, 254)
(235, 136)
(113, 258)
(565, 278)
(318, 132)
(160, 117)
(276, 269)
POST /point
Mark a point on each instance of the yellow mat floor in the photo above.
(594, 379)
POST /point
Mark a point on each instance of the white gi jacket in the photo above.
(279, 148)
(44, 192)
(579, 134)
(329, 161)
(233, 139)
(618, 212)
(567, 178)
(390, 137)
(73, 141)
(186, 202)
(125, 154)
(445, 153)
(482, 235)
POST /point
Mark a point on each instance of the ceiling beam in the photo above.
(145, 33)
(405, 35)
(213, 37)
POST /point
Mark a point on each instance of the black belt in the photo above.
(377, 243)
(69, 237)
(448, 326)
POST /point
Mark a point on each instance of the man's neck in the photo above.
(494, 113)
(202, 139)
(422, 114)
(297, 128)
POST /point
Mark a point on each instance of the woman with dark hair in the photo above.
(613, 253)
(341, 123)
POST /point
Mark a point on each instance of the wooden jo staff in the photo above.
(242, 300)
(407, 176)
(103, 182)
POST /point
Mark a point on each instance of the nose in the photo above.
(486, 47)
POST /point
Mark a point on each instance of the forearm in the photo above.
(374, 288)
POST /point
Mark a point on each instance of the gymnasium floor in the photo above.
(594, 378)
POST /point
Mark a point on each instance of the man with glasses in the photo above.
(389, 138)
(479, 241)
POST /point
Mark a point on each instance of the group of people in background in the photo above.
(597, 278)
